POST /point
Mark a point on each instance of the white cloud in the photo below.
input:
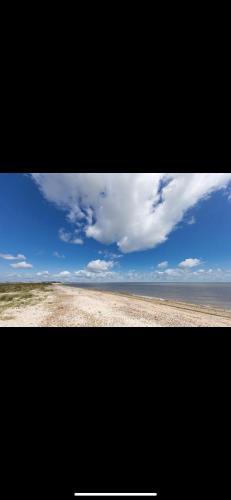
(68, 237)
(22, 265)
(172, 275)
(167, 273)
(43, 273)
(98, 270)
(191, 221)
(98, 266)
(77, 241)
(189, 263)
(110, 255)
(138, 211)
(7, 256)
(163, 265)
(85, 275)
(187, 275)
(172, 272)
(64, 236)
(63, 274)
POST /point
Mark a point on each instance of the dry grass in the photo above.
(7, 318)
(22, 287)
(21, 294)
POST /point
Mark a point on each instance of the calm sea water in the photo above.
(208, 294)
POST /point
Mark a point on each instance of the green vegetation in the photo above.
(21, 294)
(22, 287)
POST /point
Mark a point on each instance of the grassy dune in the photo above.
(21, 294)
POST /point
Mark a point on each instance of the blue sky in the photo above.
(100, 228)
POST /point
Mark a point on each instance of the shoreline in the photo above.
(190, 306)
(67, 306)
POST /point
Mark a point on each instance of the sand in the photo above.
(65, 306)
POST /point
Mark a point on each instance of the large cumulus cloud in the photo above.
(138, 211)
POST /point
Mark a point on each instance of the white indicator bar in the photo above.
(115, 494)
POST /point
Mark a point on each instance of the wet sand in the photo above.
(65, 306)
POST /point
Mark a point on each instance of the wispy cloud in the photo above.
(163, 265)
(58, 255)
(189, 263)
(68, 237)
(22, 265)
(63, 274)
(7, 256)
(110, 255)
(191, 221)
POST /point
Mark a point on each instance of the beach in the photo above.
(65, 306)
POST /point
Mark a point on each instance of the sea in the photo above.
(207, 294)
